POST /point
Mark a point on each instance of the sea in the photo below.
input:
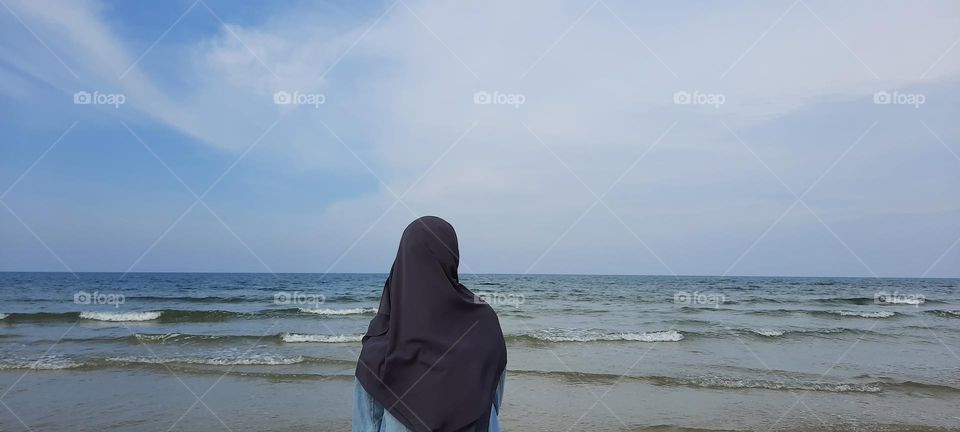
(277, 352)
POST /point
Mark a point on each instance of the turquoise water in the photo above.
(102, 351)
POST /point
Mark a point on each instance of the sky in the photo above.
(792, 138)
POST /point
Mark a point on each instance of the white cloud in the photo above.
(596, 95)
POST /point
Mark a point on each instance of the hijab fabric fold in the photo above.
(434, 353)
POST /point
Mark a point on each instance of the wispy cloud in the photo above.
(598, 84)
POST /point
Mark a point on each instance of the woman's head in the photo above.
(431, 239)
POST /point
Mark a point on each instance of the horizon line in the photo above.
(487, 273)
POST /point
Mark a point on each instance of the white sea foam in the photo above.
(120, 316)
(351, 311)
(157, 337)
(661, 336)
(46, 363)
(3, 315)
(561, 335)
(733, 383)
(294, 337)
(767, 332)
(865, 314)
(903, 300)
(251, 359)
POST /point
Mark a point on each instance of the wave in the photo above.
(294, 338)
(62, 363)
(44, 363)
(945, 313)
(762, 300)
(120, 316)
(179, 315)
(675, 428)
(824, 313)
(771, 333)
(171, 338)
(205, 339)
(3, 315)
(737, 383)
(535, 337)
(165, 315)
(766, 332)
(163, 338)
(862, 301)
(351, 311)
(863, 314)
(201, 364)
(879, 299)
(576, 335)
(249, 360)
(205, 299)
(914, 301)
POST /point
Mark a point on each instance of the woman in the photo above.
(433, 357)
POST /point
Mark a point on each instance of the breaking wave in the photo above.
(120, 316)
(945, 313)
(766, 332)
(864, 314)
(576, 335)
(45, 363)
(295, 337)
(351, 311)
(249, 360)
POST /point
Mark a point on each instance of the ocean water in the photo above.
(239, 352)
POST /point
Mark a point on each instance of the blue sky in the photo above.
(740, 138)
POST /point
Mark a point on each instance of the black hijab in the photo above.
(433, 354)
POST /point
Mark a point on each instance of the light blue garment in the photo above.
(369, 415)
